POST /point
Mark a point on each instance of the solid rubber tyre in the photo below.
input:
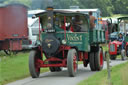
(99, 60)
(34, 69)
(92, 61)
(72, 63)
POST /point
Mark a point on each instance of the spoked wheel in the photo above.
(113, 57)
(92, 61)
(99, 60)
(72, 62)
(54, 69)
(34, 67)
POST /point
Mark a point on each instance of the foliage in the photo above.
(108, 7)
(25, 2)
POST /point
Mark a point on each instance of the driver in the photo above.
(77, 22)
(121, 39)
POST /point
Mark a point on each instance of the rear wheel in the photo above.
(72, 62)
(113, 57)
(54, 69)
(34, 68)
(92, 61)
(99, 60)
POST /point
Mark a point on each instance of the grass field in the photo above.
(119, 76)
(14, 67)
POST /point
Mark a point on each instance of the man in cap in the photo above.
(121, 39)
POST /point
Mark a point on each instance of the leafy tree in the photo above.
(25, 2)
(107, 7)
(120, 6)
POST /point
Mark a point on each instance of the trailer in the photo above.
(13, 27)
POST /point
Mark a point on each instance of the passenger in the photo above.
(121, 39)
(92, 20)
(62, 25)
(67, 27)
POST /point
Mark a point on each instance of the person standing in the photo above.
(92, 20)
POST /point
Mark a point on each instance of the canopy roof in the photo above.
(62, 12)
(123, 18)
(81, 10)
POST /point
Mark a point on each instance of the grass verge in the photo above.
(119, 76)
(14, 67)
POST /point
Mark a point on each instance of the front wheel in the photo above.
(34, 68)
(72, 62)
(113, 57)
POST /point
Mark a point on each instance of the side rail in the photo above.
(97, 36)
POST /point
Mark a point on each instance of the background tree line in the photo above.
(108, 7)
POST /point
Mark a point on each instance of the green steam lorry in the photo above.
(63, 42)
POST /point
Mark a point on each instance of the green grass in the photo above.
(14, 67)
(119, 76)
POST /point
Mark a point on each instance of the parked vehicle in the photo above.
(33, 29)
(115, 46)
(60, 45)
(113, 36)
(13, 27)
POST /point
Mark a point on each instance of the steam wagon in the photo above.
(62, 43)
(115, 46)
(13, 27)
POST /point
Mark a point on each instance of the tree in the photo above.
(120, 6)
(25, 2)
